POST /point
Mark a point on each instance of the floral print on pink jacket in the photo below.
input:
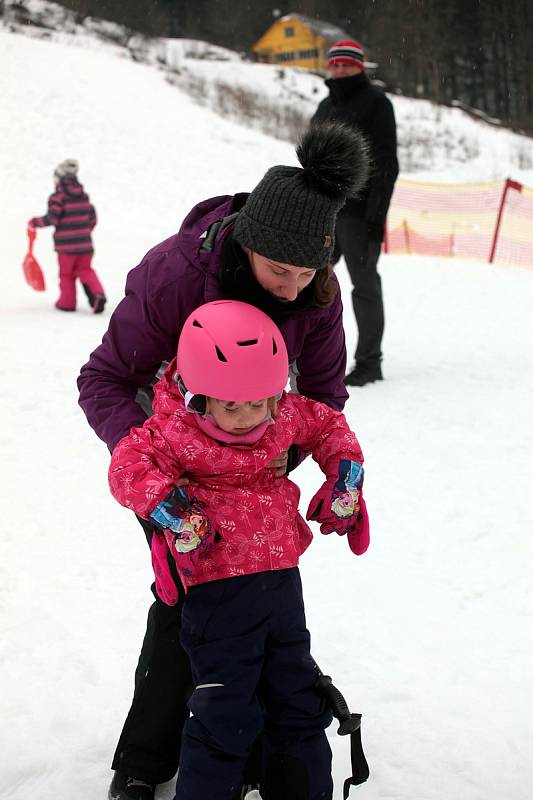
(255, 514)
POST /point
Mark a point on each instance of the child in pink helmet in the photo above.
(198, 471)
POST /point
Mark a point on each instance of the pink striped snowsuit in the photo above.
(74, 217)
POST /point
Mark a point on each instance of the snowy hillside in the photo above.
(429, 634)
(435, 143)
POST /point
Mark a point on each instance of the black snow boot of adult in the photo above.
(363, 374)
(125, 788)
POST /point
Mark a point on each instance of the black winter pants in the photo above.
(361, 256)
(149, 745)
(252, 671)
(150, 742)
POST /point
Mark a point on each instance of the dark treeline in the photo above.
(478, 53)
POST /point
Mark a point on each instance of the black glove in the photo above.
(375, 231)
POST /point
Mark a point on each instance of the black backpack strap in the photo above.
(214, 230)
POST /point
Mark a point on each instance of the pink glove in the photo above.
(165, 586)
(339, 506)
(359, 534)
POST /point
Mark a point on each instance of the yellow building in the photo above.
(298, 41)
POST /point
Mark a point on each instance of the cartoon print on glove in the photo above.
(184, 518)
(193, 531)
(347, 487)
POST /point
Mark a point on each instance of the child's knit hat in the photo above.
(290, 216)
(67, 167)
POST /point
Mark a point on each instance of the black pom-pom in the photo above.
(335, 159)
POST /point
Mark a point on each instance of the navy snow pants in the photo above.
(250, 655)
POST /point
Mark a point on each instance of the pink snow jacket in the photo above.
(254, 513)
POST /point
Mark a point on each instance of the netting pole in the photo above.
(406, 236)
(509, 184)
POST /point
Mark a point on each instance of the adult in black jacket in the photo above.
(361, 223)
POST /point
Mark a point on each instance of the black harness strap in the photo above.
(360, 771)
(214, 230)
(349, 724)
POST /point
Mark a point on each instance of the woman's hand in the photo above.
(279, 464)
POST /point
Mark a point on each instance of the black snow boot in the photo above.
(363, 374)
(96, 301)
(125, 788)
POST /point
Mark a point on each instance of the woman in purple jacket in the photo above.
(272, 248)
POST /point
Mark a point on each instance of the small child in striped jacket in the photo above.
(74, 218)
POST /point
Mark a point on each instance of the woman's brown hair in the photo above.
(325, 287)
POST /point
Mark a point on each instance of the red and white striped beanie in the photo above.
(347, 51)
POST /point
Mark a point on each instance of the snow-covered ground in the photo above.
(429, 634)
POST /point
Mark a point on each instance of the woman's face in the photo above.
(283, 281)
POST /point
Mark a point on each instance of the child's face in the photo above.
(237, 418)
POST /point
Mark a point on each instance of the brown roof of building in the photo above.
(330, 32)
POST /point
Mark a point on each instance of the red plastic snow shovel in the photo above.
(32, 271)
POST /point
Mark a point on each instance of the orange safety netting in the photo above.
(488, 221)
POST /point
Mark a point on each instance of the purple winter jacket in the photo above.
(173, 279)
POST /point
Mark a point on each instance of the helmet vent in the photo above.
(196, 324)
(274, 347)
(247, 342)
(220, 354)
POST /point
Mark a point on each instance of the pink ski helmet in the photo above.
(232, 351)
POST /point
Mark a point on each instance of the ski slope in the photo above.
(429, 634)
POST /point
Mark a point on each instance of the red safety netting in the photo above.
(487, 221)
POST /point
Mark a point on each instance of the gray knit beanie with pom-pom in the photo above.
(290, 216)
